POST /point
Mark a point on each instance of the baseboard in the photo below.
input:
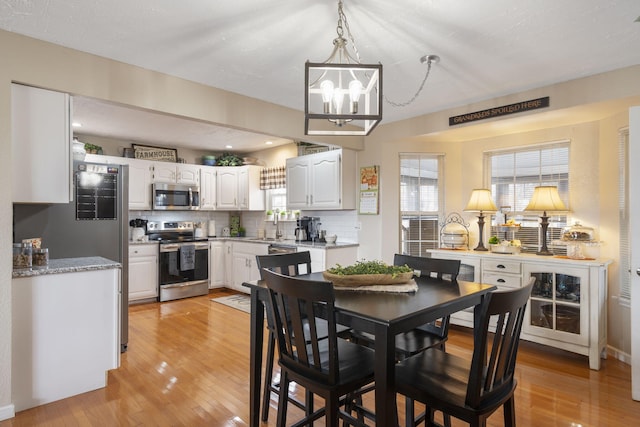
(620, 355)
(7, 412)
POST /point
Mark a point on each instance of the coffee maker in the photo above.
(309, 228)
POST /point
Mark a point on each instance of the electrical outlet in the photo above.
(359, 226)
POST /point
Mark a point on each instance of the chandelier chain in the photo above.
(415, 96)
(342, 19)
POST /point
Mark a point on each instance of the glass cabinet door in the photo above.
(557, 305)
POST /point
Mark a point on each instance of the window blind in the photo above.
(623, 212)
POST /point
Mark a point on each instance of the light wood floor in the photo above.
(188, 365)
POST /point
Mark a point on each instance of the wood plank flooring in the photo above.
(188, 365)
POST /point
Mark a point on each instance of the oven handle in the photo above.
(185, 284)
(172, 247)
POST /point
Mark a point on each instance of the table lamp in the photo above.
(546, 199)
(480, 201)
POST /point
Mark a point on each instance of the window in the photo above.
(623, 209)
(514, 174)
(421, 202)
(277, 199)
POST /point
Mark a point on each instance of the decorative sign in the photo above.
(519, 107)
(369, 195)
(155, 153)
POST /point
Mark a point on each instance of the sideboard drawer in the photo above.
(502, 266)
(501, 280)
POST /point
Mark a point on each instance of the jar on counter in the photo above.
(40, 258)
(22, 256)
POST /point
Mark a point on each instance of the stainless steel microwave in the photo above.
(176, 197)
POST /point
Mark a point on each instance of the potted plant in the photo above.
(283, 215)
(269, 215)
(242, 231)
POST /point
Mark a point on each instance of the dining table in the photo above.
(383, 314)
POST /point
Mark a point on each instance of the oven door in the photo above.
(182, 275)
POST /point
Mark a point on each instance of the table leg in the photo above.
(255, 362)
(385, 389)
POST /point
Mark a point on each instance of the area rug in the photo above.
(239, 302)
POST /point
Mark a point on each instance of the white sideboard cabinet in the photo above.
(568, 304)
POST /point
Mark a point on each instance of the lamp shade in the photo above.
(481, 201)
(545, 198)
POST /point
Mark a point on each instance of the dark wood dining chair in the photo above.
(426, 336)
(288, 264)
(433, 334)
(333, 368)
(471, 391)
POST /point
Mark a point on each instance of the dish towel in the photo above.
(187, 257)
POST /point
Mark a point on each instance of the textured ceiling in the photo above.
(258, 47)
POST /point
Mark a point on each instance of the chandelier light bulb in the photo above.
(327, 95)
(355, 89)
(338, 98)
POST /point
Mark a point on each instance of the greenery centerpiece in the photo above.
(364, 273)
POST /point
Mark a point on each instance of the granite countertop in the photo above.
(69, 265)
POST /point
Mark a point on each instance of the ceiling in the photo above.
(258, 48)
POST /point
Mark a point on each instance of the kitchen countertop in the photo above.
(70, 265)
(289, 242)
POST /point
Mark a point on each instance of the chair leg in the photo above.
(308, 404)
(268, 376)
(509, 413)
(331, 410)
(409, 413)
(283, 400)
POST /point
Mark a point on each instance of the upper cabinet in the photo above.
(239, 188)
(208, 188)
(41, 141)
(176, 173)
(140, 176)
(324, 180)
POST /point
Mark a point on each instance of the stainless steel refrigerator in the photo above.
(95, 223)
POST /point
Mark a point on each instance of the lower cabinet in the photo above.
(568, 304)
(65, 334)
(216, 265)
(143, 272)
(244, 266)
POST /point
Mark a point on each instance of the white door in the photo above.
(634, 204)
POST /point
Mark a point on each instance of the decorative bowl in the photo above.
(331, 239)
(505, 249)
(353, 280)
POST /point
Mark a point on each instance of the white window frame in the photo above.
(548, 172)
(407, 244)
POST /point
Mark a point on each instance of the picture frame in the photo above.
(162, 154)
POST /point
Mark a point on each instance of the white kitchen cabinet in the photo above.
(216, 265)
(41, 145)
(227, 181)
(250, 196)
(143, 271)
(323, 258)
(140, 178)
(208, 188)
(567, 308)
(325, 180)
(65, 334)
(176, 173)
(239, 188)
(244, 264)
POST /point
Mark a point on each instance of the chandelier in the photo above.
(342, 96)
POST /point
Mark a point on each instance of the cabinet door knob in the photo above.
(638, 271)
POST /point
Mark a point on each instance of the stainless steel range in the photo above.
(183, 262)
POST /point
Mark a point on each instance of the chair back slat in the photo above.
(287, 264)
(297, 302)
(444, 269)
(494, 354)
